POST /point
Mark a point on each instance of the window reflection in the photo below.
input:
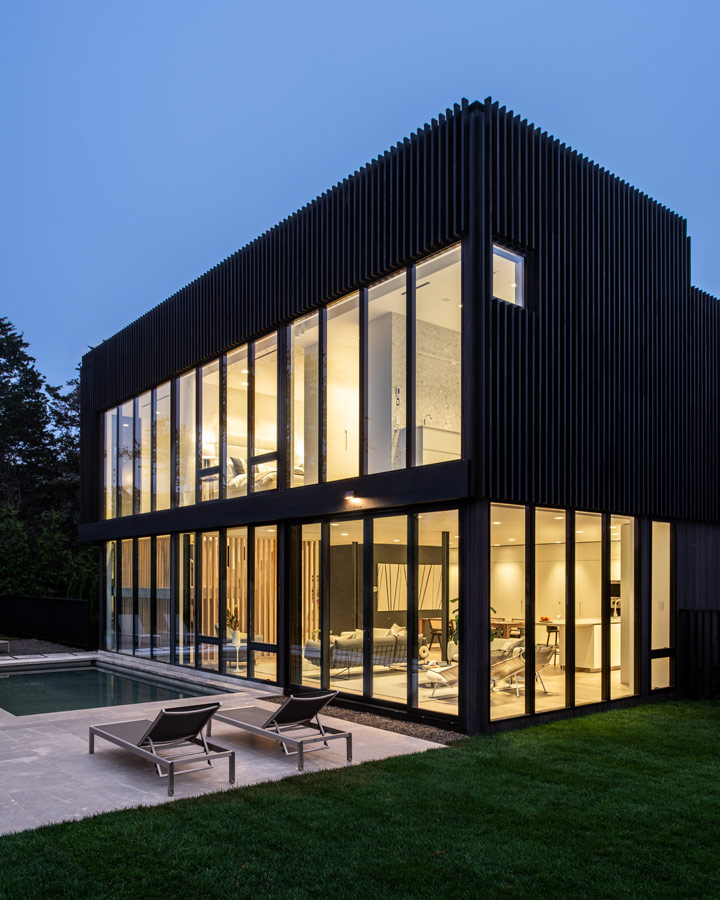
(238, 381)
(126, 458)
(550, 631)
(508, 276)
(143, 457)
(186, 439)
(343, 388)
(162, 446)
(304, 399)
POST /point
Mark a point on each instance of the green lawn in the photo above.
(621, 804)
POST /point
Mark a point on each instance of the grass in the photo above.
(621, 804)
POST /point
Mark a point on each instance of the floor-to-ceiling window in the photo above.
(163, 440)
(143, 453)
(343, 388)
(210, 431)
(185, 600)
(110, 592)
(264, 612)
(238, 382)
(208, 618)
(345, 600)
(661, 618)
(125, 610)
(186, 439)
(126, 459)
(550, 598)
(588, 608)
(162, 598)
(235, 647)
(305, 365)
(623, 638)
(143, 619)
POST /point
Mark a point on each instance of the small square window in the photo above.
(508, 276)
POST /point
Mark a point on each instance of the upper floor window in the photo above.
(508, 276)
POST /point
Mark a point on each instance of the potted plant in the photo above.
(232, 621)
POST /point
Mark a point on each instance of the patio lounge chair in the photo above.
(297, 714)
(179, 727)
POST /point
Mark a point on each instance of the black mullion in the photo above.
(153, 594)
(174, 584)
(410, 374)
(605, 607)
(322, 396)
(325, 605)
(118, 471)
(293, 606)
(639, 593)
(444, 589)
(570, 608)
(368, 595)
(530, 610)
(118, 593)
(153, 450)
(251, 419)
(672, 612)
(413, 555)
(363, 405)
(250, 625)
(282, 670)
(197, 599)
(222, 437)
(134, 490)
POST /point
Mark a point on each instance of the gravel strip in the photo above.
(32, 646)
(412, 729)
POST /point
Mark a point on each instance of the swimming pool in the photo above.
(27, 693)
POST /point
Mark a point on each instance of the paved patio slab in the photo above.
(47, 774)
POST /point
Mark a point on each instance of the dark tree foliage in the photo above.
(39, 480)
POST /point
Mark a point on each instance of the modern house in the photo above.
(445, 440)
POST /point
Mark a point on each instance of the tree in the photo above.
(15, 568)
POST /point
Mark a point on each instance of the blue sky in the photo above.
(144, 142)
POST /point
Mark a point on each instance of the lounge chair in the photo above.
(177, 727)
(448, 676)
(296, 714)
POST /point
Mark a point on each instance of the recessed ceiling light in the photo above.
(457, 535)
(514, 284)
(511, 539)
(271, 529)
(344, 534)
(497, 523)
(335, 524)
(396, 540)
(579, 532)
(559, 517)
(559, 542)
(496, 545)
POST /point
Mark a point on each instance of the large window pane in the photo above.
(209, 621)
(386, 401)
(550, 629)
(346, 606)
(438, 604)
(143, 452)
(306, 644)
(210, 430)
(304, 388)
(622, 612)
(125, 458)
(125, 614)
(343, 388)
(235, 647)
(588, 601)
(438, 353)
(185, 618)
(110, 594)
(238, 375)
(264, 619)
(661, 632)
(508, 276)
(143, 620)
(507, 613)
(162, 593)
(390, 603)
(162, 446)
(186, 436)
(265, 395)
(110, 464)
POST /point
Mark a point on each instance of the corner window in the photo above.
(508, 276)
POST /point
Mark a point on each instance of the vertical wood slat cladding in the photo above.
(407, 202)
(698, 653)
(603, 393)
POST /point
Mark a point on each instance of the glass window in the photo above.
(343, 388)
(162, 446)
(209, 619)
(588, 603)
(386, 404)
(438, 609)
(210, 430)
(238, 380)
(263, 626)
(235, 646)
(660, 619)
(265, 475)
(304, 397)
(125, 461)
(507, 612)
(125, 614)
(143, 620)
(162, 594)
(550, 572)
(437, 362)
(390, 603)
(306, 642)
(110, 464)
(110, 594)
(143, 452)
(185, 618)
(508, 276)
(186, 436)
(622, 607)
(346, 606)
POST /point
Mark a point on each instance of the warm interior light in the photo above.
(511, 539)
(559, 517)
(344, 534)
(579, 532)
(335, 524)
(396, 540)
(497, 523)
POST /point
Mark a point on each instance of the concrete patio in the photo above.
(47, 774)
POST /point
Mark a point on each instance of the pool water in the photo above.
(32, 692)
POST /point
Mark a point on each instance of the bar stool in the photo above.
(553, 630)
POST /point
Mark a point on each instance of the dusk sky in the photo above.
(144, 142)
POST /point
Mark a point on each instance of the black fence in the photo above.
(698, 652)
(69, 622)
